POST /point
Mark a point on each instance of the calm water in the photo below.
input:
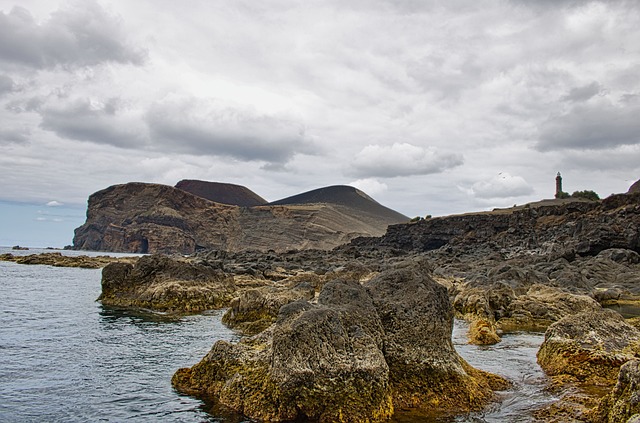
(64, 357)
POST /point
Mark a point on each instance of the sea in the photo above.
(64, 357)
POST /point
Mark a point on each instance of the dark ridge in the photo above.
(235, 195)
(634, 188)
(345, 196)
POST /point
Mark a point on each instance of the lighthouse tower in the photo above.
(558, 185)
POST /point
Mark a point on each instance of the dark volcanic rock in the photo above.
(235, 195)
(151, 218)
(166, 284)
(562, 228)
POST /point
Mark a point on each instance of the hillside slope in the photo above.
(235, 195)
(152, 218)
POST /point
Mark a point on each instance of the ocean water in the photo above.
(66, 358)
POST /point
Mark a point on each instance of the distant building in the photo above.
(559, 186)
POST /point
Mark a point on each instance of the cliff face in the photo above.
(152, 218)
(562, 227)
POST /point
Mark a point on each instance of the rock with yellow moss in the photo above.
(589, 347)
(354, 356)
(166, 284)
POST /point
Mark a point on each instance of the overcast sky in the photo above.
(429, 107)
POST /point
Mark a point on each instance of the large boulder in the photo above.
(351, 357)
(589, 347)
(166, 284)
(425, 370)
(320, 362)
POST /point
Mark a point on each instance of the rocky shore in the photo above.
(354, 333)
(60, 260)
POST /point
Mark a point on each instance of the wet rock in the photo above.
(426, 372)
(352, 357)
(623, 402)
(483, 332)
(589, 347)
(321, 362)
(166, 284)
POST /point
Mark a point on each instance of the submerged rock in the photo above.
(165, 284)
(352, 357)
(589, 347)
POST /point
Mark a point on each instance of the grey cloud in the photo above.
(17, 135)
(84, 34)
(595, 127)
(584, 93)
(98, 122)
(401, 159)
(207, 127)
(6, 85)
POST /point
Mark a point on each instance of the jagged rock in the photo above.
(351, 357)
(152, 218)
(589, 347)
(166, 284)
(562, 228)
(623, 402)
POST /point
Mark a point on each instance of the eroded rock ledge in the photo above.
(355, 355)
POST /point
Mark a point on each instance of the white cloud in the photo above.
(502, 185)
(402, 159)
(370, 186)
(54, 203)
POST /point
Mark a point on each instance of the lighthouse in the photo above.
(559, 186)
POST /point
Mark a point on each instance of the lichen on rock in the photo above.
(353, 356)
(589, 346)
(166, 284)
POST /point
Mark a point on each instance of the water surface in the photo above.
(66, 358)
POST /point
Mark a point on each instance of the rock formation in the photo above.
(152, 218)
(351, 357)
(589, 347)
(622, 404)
(166, 284)
(562, 228)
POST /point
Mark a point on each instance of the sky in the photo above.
(430, 107)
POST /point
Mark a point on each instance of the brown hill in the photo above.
(346, 196)
(223, 193)
(150, 218)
